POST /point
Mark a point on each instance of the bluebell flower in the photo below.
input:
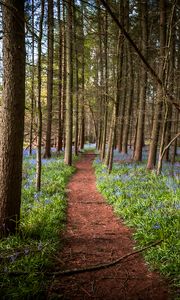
(156, 226)
(125, 178)
(37, 195)
(117, 177)
(26, 251)
(177, 205)
(32, 161)
(13, 257)
(171, 184)
(48, 201)
(26, 186)
(40, 246)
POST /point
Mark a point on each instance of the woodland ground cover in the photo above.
(43, 216)
(151, 205)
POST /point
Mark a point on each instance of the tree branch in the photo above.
(168, 145)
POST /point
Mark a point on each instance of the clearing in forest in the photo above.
(94, 235)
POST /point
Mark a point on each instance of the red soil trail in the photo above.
(95, 235)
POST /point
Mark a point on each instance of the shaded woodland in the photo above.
(76, 72)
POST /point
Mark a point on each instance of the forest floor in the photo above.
(94, 235)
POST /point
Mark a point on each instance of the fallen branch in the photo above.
(105, 265)
(88, 269)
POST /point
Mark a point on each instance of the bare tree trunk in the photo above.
(100, 78)
(172, 37)
(124, 81)
(47, 153)
(69, 86)
(39, 111)
(32, 87)
(12, 115)
(143, 80)
(59, 146)
(76, 117)
(104, 135)
(128, 104)
(113, 125)
(82, 125)
(169, 66)
(159, 101)
(64, 77)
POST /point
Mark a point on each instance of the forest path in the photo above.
(95, 235)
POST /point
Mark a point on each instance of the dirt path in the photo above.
(94, 235)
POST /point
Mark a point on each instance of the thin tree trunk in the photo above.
(47, 153)
(143, 80)
(111, 141)
(82, 125)
(32, 87)
(101, 77)
(159, 101)
(69, 89)
(104, 136)
(39, 111)
(64, 77)
(59, 146)
(128, 105)
(76, 118)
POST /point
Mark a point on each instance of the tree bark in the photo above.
(64, 77)
(143, 79)
(160, 94)
(47, 153)
(32, 87)
(82, 125)
(76, 117)
(60, 137)
(39, 110)
(69, 86)
(128, 109)
(12, 115)
(105, 98)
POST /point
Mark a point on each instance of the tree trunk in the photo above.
(158, 108)
(76, 117)
(111, 140)
(82, 125)
(128, 110)
(32, 87)
(143, 80)
(105, 104)
(47, 153)
(69, 86)
(12, 115)
(59, 146)
(39, 112)
(64, 77)
(100, 77)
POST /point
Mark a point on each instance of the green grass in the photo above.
(43, 216)
(151, 205)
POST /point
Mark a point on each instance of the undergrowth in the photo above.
(151, 205)
(43, 216)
